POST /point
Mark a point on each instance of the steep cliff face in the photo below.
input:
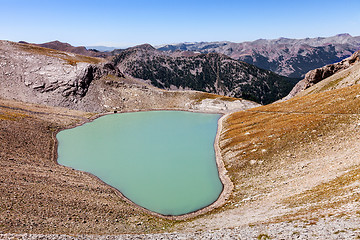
(317, 75)
(39, 75)
(288, 57)
(213, 73)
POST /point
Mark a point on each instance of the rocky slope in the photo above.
(320, 74)
(213, 72)
(288, 57)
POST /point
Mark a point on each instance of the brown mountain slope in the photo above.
(347, 77)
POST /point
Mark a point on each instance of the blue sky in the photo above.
(126, 23)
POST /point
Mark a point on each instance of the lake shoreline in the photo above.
(222, 172)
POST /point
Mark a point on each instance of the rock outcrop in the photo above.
(39, 75)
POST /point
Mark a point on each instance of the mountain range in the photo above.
(211, 72)
(284, 56)
(220, 67)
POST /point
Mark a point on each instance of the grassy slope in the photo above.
(260, 144)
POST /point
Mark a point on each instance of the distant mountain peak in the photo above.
(343, 35)
(145, 46)
(58, 44)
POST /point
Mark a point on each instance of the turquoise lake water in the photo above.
(161, 160)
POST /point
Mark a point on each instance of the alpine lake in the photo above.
(163, 161)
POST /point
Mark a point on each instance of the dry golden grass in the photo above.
(255, 141)
(340, 101)
(6, 114)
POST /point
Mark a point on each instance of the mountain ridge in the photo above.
(284, 56)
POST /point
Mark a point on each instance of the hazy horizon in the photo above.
(159, 45)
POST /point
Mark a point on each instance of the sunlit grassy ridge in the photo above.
(293, 117)
(71, 58)
(340, 101)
